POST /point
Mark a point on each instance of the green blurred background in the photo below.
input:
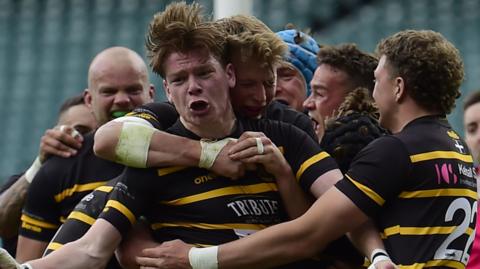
(46, 46)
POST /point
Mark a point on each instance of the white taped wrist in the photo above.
(203, 258)
(133, 144)
(210, 151)
(377, 256)
(7, 261)
(32, 171)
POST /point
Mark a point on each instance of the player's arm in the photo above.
(63, 141)
(135, 142)
(155, 148)
(11, 203)
(298, 239)
(92, 250)
(40, 216)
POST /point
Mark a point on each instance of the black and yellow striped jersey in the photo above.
(419, 186)
(202, 208)
(59, 185)
(82, 218)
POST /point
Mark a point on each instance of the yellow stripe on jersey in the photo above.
(439, 193)
(312, 160)
(78, 188)
(123, 209)
(434, 263)
(210, 226)
(440, 155)
(54, 246)
(369, 192)
(394, 230)
(38, 223)
(233, 190)
(106, 189)
(81, 217)
(169, 170)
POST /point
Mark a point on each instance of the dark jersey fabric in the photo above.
(59, 185)
(419, 186)
(201, 208)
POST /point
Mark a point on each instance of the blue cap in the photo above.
(302, 55)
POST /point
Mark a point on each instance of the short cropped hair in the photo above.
(471, 100)
(358, 65)
(429, 64)
(252, 39)
(72, 101)
(182, 28)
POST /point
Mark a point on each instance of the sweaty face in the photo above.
(198, 86)
(291, 87)
(471, 121)
(254, 88)
(383, 94)
(117, 89)
(79, 117)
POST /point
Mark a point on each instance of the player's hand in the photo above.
(227, 167)
(256, 148)
(168, 255)
(63, 141)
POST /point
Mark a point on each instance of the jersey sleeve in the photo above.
(160, 115)
(372, 179)
(82, 217)
(307, 160)
(130, 197)
(41, 214)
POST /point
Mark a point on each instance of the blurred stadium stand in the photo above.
(46, 45)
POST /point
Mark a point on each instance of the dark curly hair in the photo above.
(354, 127)
(429, 64)
(182, 28)
(358, 65)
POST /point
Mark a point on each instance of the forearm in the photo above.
(164, 149)
(294, 198)
(366, 238)
(72, 255)
(92, 250)
(167, 149)
(297, 239)
(11, 204)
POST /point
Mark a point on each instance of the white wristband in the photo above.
(210, 151)
(203, 258)
(32, 171)
(377, 256)
(133, 144)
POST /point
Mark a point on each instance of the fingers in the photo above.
(253, 146)
(146, 262)
(61, 141)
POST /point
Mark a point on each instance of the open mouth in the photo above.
(199, 106)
